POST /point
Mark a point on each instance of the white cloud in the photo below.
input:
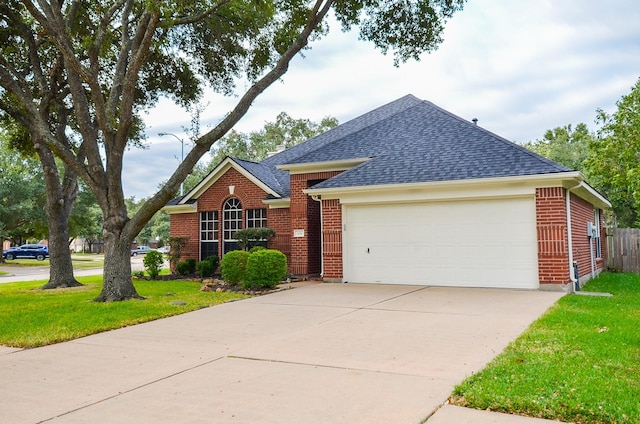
(519, 67)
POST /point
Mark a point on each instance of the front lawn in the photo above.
(580, 362)
(31, 317)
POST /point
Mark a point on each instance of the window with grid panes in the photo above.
(209, 226)
(256, 218)
(596, 236)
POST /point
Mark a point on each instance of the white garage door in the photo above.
(487, 243)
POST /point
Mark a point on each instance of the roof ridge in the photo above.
(358, 123)
(561, 168)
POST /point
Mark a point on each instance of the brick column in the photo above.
(332, 240)
(551, 223)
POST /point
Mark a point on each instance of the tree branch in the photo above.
(204, 143)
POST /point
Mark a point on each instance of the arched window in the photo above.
(232, 222)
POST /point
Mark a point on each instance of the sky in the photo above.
(519, 67)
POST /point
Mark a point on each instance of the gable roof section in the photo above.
(324, 140)
(261, 175)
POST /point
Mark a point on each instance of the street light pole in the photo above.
(161, 134)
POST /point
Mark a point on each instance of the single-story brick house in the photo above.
(407, 194)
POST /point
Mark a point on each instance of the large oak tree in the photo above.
(110, 60)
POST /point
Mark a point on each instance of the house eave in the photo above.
(181, 208)
(328, 166)
(218, 172)
(517, 186)
(279, 203)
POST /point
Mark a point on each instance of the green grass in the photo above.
(580, 362)
(32, 317)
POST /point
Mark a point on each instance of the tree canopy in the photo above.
(284, 132)
(614, 157)
(78, 74)
(565, 145)
(22, 197)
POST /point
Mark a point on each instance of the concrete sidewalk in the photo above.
(323, 353)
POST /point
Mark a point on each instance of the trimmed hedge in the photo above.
(234, 265)
(187, 267)
(265, 268)
(208, 266)
(250, 237)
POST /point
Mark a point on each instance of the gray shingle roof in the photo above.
(272, 177)
(424, 143)
(408, 140)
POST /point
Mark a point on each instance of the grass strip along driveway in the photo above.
(580, 362)
(32, 317)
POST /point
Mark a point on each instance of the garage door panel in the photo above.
(489, 243)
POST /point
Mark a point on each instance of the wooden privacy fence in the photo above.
(623, 248)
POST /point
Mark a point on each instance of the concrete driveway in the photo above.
(323, 353)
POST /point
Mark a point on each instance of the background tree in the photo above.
(614, 158)
(116, 59)
(86, 219)
(22, 197)
(284, 132)
(565, 145)
(60, 185)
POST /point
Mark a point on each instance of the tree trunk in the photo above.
(117, 283)
(61, 266)
(60, 198)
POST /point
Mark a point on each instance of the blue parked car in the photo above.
(30, 251)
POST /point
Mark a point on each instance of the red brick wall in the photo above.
(305, 215)
(249, 194)
(581, 213)
(551, 225)
(186, 225)
(332, 239)
(280, 221)
(553, 245)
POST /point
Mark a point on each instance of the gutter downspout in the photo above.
(318, 198)
(574, 278)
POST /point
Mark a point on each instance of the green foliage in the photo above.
(255, 249)
(175, 251)
(186, 267)
(265, 269)
(613, 158)
(233, 266)
(153, 261)
(22, 196)
(208, 266)
(284, 132)
(250, 237)
(565, 145)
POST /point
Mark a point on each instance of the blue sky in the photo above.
(521, 68)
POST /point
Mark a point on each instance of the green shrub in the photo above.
(233, 266)
(250, 237)
(153, 261)
(265, 269)
(175, 251)
(186, 267)
(204, 269)
(254, 249)
(208, 266)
